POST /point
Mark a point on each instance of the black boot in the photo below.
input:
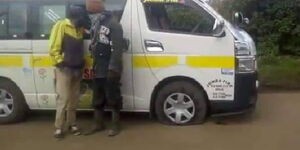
(115, 128)
(98, 123)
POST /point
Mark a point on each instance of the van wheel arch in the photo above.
(12, 82)
(168, 80)
(22, 109)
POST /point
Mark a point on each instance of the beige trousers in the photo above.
(68, 91)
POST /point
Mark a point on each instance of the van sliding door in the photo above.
(43, 16)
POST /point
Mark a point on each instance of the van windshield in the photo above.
(180, 16)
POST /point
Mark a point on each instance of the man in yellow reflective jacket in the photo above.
(66, 50)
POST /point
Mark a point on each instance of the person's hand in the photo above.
(60, 65)
(113, 74)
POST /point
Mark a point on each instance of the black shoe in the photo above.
(94, 130)
(98, 123)
(115, 129)
(58, 134)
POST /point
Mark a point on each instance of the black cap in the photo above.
(76, 12)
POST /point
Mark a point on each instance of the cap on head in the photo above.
(95, 6)
(76, 12)
(77, 15)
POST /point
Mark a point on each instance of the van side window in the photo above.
(47, 16)
(3, 20)
(116, 6)
(13, 21)
(179, 18)
(17, 25)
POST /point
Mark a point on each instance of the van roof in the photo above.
(41, 0)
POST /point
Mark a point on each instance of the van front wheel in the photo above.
(181, 103)
(13, 107)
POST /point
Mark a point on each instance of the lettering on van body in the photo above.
(219, 88)
(88, 74)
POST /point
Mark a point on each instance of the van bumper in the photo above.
(245, 97)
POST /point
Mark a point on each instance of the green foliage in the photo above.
(275, 24)
(182, 18)
(283, 72)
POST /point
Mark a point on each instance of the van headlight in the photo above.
(246, 64)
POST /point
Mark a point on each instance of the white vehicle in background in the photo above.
(184, 61)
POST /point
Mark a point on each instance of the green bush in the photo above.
(275, 27)
(275, 24)
(282, 72)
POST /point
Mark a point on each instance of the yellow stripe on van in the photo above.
(11, 61)
(211, 61)
(138, 61)
(41, 61)
(154, 61)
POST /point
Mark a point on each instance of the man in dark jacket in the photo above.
(106, 47)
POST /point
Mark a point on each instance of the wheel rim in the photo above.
(6, 103)
(179, 108)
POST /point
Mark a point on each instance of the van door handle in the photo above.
(126, 44)
(153, 46)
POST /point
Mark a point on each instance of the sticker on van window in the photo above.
(220, 88)
(163, 1)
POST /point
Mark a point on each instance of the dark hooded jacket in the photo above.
(107, 44)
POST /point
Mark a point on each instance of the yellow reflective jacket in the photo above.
(57, 43)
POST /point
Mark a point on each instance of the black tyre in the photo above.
(181, 103)
(13, 107)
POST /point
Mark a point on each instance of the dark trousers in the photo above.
(107, 93)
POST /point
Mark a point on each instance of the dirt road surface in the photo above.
(274, 126)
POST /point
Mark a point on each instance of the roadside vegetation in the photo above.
(275, 27)
(280, 72)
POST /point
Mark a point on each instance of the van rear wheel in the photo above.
(13, 107)
(181, 103)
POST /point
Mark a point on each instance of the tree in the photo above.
(275, 24)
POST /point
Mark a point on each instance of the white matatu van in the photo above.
(184, 61)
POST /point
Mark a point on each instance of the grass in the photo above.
(279, 72)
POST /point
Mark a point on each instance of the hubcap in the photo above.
(6, 103)
(179, 107)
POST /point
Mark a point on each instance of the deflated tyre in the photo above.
(181, 103)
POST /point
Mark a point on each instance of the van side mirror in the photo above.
(239, 20)
(218, 29)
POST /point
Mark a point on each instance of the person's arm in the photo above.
(55, 45)
(115, 63)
